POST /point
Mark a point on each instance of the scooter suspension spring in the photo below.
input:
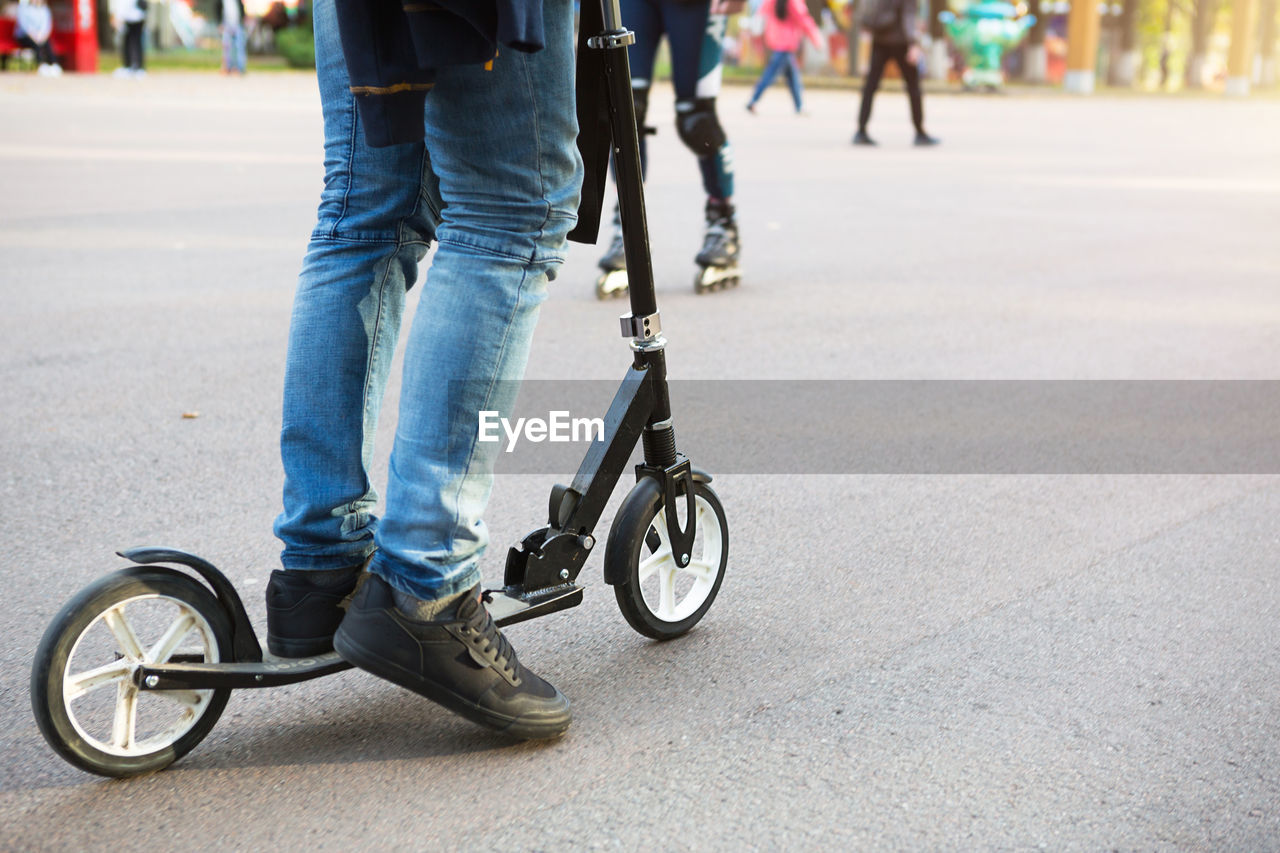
(659, 445)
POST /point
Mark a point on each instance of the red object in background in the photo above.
(1055, 58)
(75, 34)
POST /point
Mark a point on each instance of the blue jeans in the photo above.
(781, 59)
(233, 48)
(495, 185)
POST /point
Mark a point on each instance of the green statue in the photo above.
(982, 32)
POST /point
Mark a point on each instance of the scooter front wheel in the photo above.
(83, 681)
(658, 596)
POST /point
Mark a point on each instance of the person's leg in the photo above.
(241, 49)
(376, 217)
(771, 69)
(644, 18)
(696, 39)
(42, 50)
(879, 56)
(135, 38)
(502, 142)
(140, 45)
(372, 230)
(227, 43)
(793, 80)
(124, 48)
(911, 77)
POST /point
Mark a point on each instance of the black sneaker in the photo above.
(861, 138)
(459, 659)
(303, 609)
(923, 140)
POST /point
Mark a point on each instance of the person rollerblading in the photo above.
(694, 30)
(718, 259)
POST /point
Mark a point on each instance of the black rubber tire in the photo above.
(629, 538)
(52, 656)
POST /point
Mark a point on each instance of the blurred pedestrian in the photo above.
(231, 24)
(131, 16)
(892, 25)
(786, 24)
(32, 29)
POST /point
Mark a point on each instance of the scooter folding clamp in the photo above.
(611, 40)
(644, 328)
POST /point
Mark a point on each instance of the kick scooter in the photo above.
(134, 671)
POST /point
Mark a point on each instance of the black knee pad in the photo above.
(699, 128)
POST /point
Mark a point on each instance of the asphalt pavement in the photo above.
(895, 661)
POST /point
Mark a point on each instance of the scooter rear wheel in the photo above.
(659, 597)
(83, 689)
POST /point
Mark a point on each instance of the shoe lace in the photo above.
(491, 642)
(719, 235)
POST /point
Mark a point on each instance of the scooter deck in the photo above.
(270, 672)
(507, 606)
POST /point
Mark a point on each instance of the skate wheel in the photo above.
(83, 693)
(709, 279)
(612, 285)
(660, 598)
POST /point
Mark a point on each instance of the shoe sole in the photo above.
(355, 654)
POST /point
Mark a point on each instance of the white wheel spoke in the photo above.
(123, 727)
(78, 685)
(700, 570)
(136, 726)
(173, 636)
(666, 593)
(189, 699)
(652, 563)
(680, 591)
(123, 632)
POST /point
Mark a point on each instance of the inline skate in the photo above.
(612, 283)
(718, 260)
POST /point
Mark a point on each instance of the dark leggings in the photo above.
(694, 37)
(133, 45)
(880, 54)
(44, 52)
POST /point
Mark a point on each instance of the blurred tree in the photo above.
(1123, 68)
(1158, 37)
(1203, 17)
(939, 61)
(1036, 67)
(1267, 12)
